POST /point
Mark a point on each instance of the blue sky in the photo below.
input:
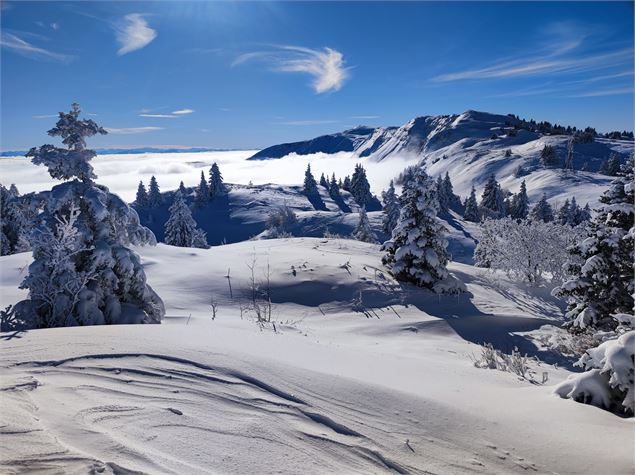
(248, 75)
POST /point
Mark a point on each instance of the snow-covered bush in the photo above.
(491, 358)
(82, 272)
(281, 222)
(531, 251)
(417, 251)
(608, 380)
(180, 228)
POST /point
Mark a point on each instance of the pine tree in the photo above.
(360, 188)
(82, 272)
(347, 183)
(454, 202)
(202, 192)
(182, 189)
(548, 157)
(310, 185)
(391, 209)
(180, 228)
(611, 166)
(573, 219)
(334, 189)
(15, 226)
(564, 212)
(323, 181)
(542, 211)
(216, 185)
(154, 194)
(471, 208)
(442, 197)
(492, 200)
(520, 203)
(417, 251)
(142, 196)
(602, 283)
(13, 191)
(363, 231)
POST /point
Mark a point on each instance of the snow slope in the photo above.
(362, 376)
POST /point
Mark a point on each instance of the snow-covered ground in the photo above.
(362, 375)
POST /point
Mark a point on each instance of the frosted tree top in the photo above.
(71, 162)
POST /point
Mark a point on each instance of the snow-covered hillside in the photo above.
(470, 147)
(363, 375)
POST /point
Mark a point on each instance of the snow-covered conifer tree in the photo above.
(360, 188)
(454, 202)
(202, 191)
(564, 212)
(142, 196)
(216, 185)
(492, 200)
(334, 189)
(182, 189)
(310, 185)
(154, 194)
(443, 199)
(542, 211)
(323, 181)
(548, 157)
(15, 226)
(417, 251)
(180, 228)
(471, 208)
(363, 231)
(602, 282)
(520, 203)
(346, 185)
(391, 209)
(82, 272)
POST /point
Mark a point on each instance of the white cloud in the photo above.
(183, 111)
(44, 116)
(132, 130)
(326, 66)
(159, 116)
(133, 34)
(365, 117)
(607, 92)
(19, 46)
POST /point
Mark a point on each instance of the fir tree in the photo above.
(347, 183)
(180, 228)
(334, 189)
(520, 203)
(323, 181)
(602, 283)
(142, 196)
(216, 185)
(611, 166)
(182, 189)
(310, 185)
(441, 196)
(202, 191)
(564, 212)
(363, 231)
(471, 208)
(417, 251)
(492, 200)
(360, 188)
(391, 209)
(453, 201)
(542, 211)
(154, 194)
(548, 157)
(82, 272)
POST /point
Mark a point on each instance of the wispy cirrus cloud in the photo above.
(132, 130)
(565, 50)
(606, 92)
(172, 115)
(45, 116)
(133, 33)
(326, 66)
(22, 47)
(364, 117)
